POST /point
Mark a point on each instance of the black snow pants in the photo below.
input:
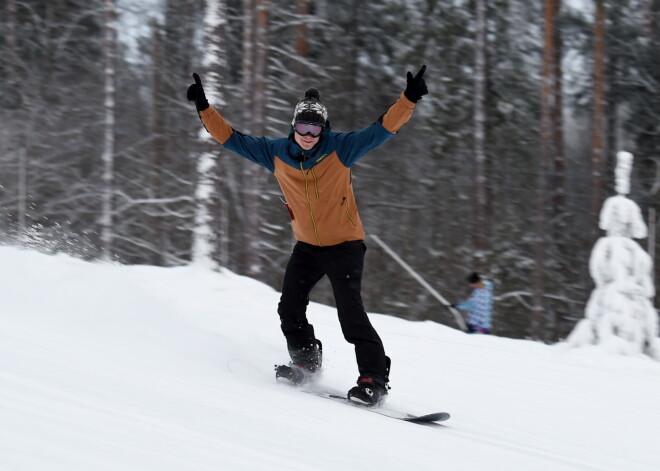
(343, 264)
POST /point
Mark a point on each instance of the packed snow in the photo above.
(111, 367)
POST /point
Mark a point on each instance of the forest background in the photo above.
(502, 169)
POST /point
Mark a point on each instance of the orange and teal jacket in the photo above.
(316, 183)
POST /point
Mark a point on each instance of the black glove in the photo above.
(196, 93)
(416, 87)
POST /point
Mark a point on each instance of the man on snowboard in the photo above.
(312, 166)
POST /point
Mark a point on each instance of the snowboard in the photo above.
(383, 410)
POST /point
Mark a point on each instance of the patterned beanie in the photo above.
(310, 110)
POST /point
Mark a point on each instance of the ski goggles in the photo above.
(303, 129)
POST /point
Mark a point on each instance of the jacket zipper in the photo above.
(316, 184)
(309, 201)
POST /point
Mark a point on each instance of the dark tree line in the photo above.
(502, 169)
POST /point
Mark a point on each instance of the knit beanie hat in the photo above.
(473, 278)
(310, 110)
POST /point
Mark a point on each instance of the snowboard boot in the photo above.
(370, 391)
(308, 362)
(290, 374)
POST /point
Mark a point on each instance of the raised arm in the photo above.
(214, 123)
(353, 145)
(255, 149)
(399, 115)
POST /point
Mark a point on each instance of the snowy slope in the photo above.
(107, 367)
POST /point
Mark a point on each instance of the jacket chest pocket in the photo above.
(347, 210)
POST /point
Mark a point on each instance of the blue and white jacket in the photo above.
(479, 306)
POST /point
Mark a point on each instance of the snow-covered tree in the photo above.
(620, 313)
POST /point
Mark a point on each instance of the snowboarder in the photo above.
(313, 168)
(479, 305)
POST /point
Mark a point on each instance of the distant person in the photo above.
(479, 305)
(312, 163)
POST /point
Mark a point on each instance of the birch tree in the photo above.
(157, 147)
(107, 155)
(214, 65)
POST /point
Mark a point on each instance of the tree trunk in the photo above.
(22, 186)
(479, 237)
(21, 151)
(558, 121)
(302, 42)
(156, 127)
(107, 155)
(650, 10)
(255, 67)
(546, 152)
(558, 185)
(598, 132)
(205, 231)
